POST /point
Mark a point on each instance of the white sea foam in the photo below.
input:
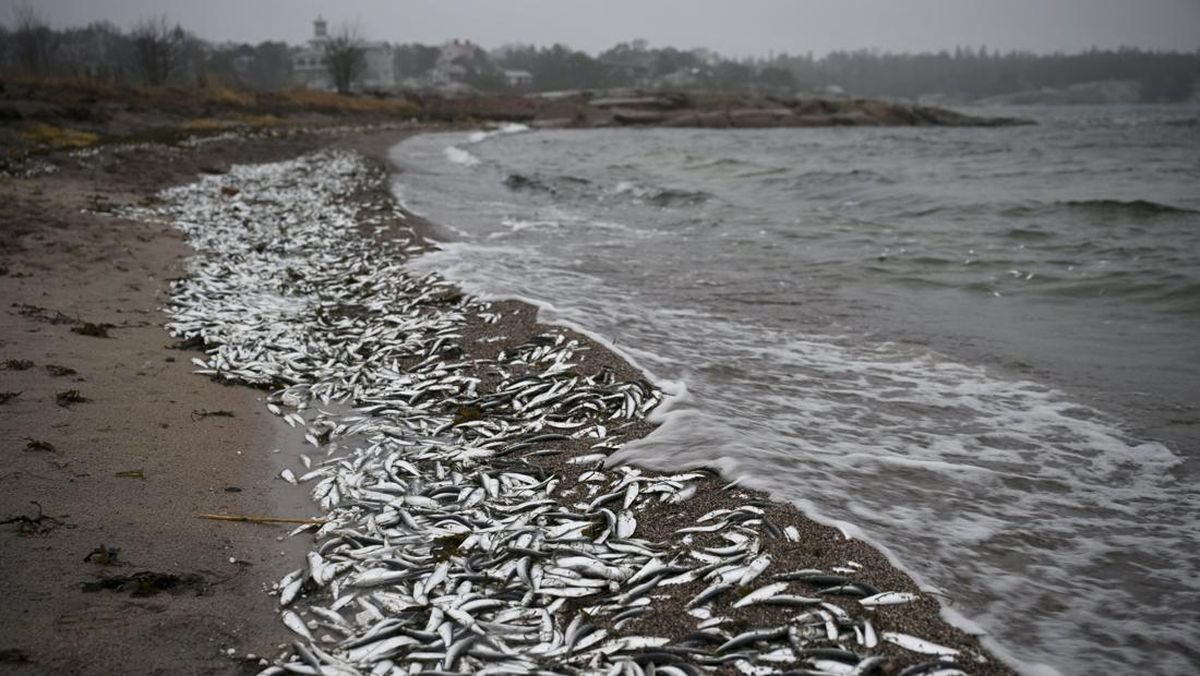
(459, 156)
(506, 128)
(517, 225)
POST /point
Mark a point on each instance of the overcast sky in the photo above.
(733, 27)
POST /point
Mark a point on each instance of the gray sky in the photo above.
(733, 27)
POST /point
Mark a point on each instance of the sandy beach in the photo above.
(101, 489)
(150, 446)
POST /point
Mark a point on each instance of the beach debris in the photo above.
(261, 519)
(93, 330)
(200, 414)
(474, 520)
(34, 525)
(102, 555)
(100, 203)
(59, 371)
(147, 583)
(32, 444)
(43, 314)
(17, 364)
(130, 474)
(68, 397)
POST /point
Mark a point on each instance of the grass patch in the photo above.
(322, 101)
(219, 124)
(42, 134)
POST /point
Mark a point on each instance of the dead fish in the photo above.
(889, 598)
(760, 594)
(917, 645)
(626, 524)
(293, 622)
(754, 569)
(752, 636)
(447, 545)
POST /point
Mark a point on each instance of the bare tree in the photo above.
(158, 48)
(33, 40)
(345, 57)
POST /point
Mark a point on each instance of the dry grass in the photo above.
(162, 114)
(229, 96)
(296, 100)
(42, 134)
(311, 99)
(73, 83)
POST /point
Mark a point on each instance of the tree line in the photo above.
(156, 52)
(963, 73)
(153, 51)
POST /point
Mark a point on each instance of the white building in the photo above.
(309, 70)
(518, 79)
(308, 62)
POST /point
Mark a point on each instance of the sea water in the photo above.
(980, 348)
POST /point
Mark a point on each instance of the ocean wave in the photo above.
(504, 129)
(523, 182)
(1184, 122)
(552, 185)
(459, 156)
(1099, 207)
(1130, 206)
(662, 197)
(1028, 233)
(732, 166)
(713, 162)
(858, 175)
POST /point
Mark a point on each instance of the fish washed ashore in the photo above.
(458, 451)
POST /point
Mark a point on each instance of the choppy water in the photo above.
(981, 347)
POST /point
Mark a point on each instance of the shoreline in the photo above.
(517, 324)
(660, 417)
(47, 115)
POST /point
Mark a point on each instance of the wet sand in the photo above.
(146, 414)
(151, 446)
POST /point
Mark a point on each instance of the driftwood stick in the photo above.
(260, 519)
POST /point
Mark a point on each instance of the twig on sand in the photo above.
(260, 519)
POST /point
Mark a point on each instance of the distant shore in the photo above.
(45, 115)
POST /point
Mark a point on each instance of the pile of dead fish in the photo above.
(446, 548)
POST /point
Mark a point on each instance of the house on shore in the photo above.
(309, 69)
(518, 79)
